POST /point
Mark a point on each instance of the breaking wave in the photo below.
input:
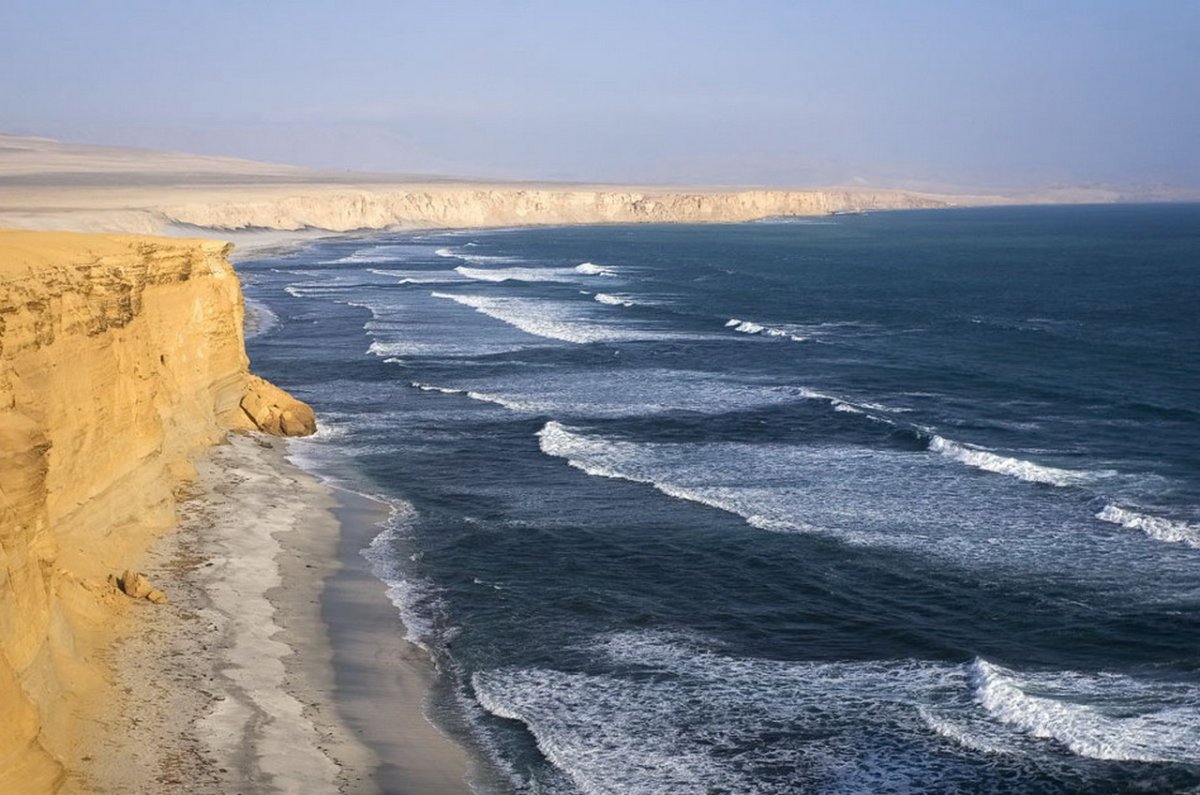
(1100, 716)
(673, 715)
(551, 320)
(420, 277)
(989, 461)
(611, 300)
(417, 600)
(750, 327)
(1170, 530)
(592, 269)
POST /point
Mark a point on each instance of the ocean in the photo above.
(899, 502)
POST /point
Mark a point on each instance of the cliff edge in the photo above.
(120, 358)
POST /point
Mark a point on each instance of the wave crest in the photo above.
(750, 327)
(592, 269)
(1101, 716)
(989, 461)
(1169, 530)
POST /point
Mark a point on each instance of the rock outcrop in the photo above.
(120, 357)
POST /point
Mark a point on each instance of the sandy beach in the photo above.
(279, 664)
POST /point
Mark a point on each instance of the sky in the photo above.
(910, 93)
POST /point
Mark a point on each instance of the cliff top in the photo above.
(23, 252)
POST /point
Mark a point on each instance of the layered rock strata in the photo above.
(120, 357)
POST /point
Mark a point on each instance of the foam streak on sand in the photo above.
(256, 576)
(251, 724)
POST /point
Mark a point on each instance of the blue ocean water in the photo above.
(903, 502)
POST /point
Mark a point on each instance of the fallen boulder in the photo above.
(274, 411)
(135, 584)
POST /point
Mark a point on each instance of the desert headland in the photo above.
(179, 603)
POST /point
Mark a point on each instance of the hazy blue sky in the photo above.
(982, 93)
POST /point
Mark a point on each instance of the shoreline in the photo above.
(374, 664)
(275, 667)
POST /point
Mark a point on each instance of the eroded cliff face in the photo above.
(465, 206)
(120, 357)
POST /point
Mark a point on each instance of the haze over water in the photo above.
(886, 503)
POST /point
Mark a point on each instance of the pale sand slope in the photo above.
(231, 687)
(49, 185)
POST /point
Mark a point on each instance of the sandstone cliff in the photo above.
(464, 206)
(120, 357)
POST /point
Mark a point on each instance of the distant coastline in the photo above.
(54, 186)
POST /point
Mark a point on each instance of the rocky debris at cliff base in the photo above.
(274, 411)
(135, 584)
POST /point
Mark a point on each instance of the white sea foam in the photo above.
(1101, 716)
(1169, 530)
(612, 300)
(867, 408)
(474, 259)
(628, 461)
(525, 274)
(552, 319)
(696, 725)
(483, 397)
(486, 259)
(592, 269)
(862, 496)
(377, 254)
(678, 715)
(750, 327)
(517, 274)
(439, 389)
(984, 459)
(259, 319)
(622, 393)
(420, 276)
(390, 351)
(417, 600)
